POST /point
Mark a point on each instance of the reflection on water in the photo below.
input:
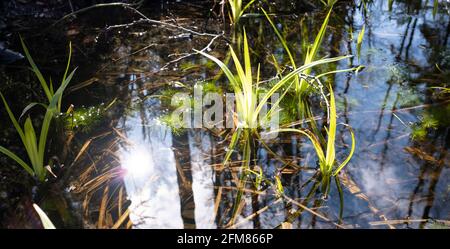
(174, 181)
(151, 177)
(202, 179)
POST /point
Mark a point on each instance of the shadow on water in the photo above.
(133, 170)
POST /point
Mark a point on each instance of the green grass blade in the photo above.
(341, 198)
(247, 63)
(281, 39)
(13, 156)
(291, 75)
(280, 189)
(340, 71)
(36, 71)
(319, 38)
(435, 8)
(32, 149)
(68, 63)
(65, 74)
(29, 107)
(222, 66)
(238, 66)
(352, 150)
(51, 110)
(52, 92)
(247, 6)
(360, 40)
(13, 119)
(234, 140)
(330, 156)
(310, 136)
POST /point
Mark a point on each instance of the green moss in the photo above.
(84, 119)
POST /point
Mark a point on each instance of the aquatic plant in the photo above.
(328, 3)
(249, 108)
(311, 50)
(360, 40)
(302, 86)
(246, 90)
(35, 146)
(237, 10)
(84, 119)
(327, 154)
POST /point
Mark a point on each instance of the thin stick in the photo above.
(260, 211)
(207, 47)
(310, 210)
(398, 222)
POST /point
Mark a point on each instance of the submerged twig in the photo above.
(206, 48)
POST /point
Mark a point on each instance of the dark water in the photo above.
(398, 176)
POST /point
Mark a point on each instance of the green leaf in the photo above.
(32, 149)
(281, 39)
(13, 119)
(435, 8)
(29, 107)
(234, 140)
(360, 40)
(280, 189)
(36, 71)
(330, 156)
(13, 156)
(352, 150)
(51, 110)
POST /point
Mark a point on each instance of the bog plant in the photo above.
(246, 89)
(327, 153)
(35, 146)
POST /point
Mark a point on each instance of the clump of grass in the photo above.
(327, 154)
(34, 145)
(246, 88)
(302, 88)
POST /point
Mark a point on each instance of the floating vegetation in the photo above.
(85, 119)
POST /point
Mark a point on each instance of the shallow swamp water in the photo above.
(125, 166)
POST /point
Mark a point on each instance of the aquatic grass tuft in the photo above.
(327, 154)
(35, 146)
(249, 108)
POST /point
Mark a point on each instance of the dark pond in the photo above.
(126, 166)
